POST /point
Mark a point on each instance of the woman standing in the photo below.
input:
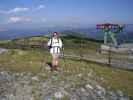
(55, 44)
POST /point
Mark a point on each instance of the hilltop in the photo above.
(24, 66)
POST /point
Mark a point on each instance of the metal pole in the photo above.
(64, 57)
(109, 55)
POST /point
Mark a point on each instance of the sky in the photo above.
(30, 14)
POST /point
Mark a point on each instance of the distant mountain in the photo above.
(89, 32)
(123, 37)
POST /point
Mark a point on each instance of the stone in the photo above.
(120, 93)
(112, 95)
(11, 97)
(58, 95)
(80, 75)
(124, 98)
(35, 78)
(25, 86)
(5, 76)
(88, 86)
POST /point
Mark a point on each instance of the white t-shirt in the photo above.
(56, 45)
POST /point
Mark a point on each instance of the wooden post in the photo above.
(109, 55)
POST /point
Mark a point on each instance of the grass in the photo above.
(31, 60)
(20, 60)
(115, 79)
(4, 41)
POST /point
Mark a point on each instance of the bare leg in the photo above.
(53, 62)
(57, 61)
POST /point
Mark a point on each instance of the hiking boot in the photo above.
(52, 68)
(55, 68)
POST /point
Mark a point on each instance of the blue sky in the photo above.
(52, 13)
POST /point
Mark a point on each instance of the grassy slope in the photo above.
(32, 60)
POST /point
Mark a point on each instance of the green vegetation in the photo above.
(34, 59)
(115, 78)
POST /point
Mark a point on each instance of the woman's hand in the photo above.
(49, 47)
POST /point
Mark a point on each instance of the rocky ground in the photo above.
(53, 86)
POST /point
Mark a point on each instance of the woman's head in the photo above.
(55, 34)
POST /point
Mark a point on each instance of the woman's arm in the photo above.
(49, 44)
(60, 43)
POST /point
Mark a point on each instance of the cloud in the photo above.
(40, 7)
(18, 19)
(15, 10)
(20, 9)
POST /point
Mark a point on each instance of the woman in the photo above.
(55, 44)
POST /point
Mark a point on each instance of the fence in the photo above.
(91, 51)
(83, 50)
